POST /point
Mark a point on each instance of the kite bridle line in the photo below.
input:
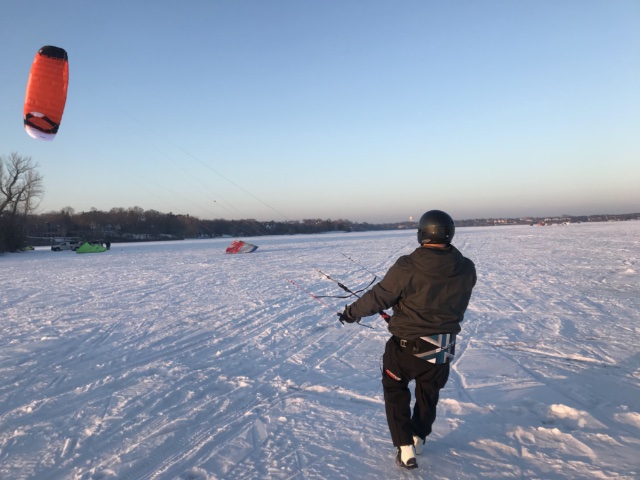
(362, 267)
(252, 226)
(319, 299)
(346, 289)
(351, 293)
(383, 314)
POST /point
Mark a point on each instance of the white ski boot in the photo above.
(418, 444)
(405, 457)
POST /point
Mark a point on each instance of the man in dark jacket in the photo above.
(429, 291)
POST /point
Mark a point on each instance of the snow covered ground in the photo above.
(176, 361)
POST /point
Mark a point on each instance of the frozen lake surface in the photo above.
(176, 361)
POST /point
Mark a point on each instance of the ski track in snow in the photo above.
(175, 361)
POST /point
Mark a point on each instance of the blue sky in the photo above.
(364, 110)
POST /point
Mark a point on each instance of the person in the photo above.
(429, 291)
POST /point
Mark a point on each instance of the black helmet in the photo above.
(435, 226)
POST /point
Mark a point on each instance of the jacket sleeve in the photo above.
(383, 295)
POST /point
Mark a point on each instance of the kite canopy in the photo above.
(46, 93)
(87, 247)
(238, 246)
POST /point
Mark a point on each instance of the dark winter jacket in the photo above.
(429, 291)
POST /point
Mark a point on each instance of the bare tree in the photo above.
(21, 191)
(21, 186)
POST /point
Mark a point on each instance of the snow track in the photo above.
(176, 361)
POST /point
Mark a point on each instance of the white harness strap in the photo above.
(445, 350)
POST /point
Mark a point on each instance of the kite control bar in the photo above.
(383, 314)
(319, 299)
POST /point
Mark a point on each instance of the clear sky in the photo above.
(364, 110)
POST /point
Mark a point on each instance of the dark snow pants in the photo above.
(399, 367)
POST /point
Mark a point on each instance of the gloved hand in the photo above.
(346, 316)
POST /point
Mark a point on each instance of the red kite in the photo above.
(46, 93)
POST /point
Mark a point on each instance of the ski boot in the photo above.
(405, 457)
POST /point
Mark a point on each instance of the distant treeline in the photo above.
(559, 220)
(136, 224)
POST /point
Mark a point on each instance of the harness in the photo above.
(433, 349)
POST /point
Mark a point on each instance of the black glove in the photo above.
(346, 316)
